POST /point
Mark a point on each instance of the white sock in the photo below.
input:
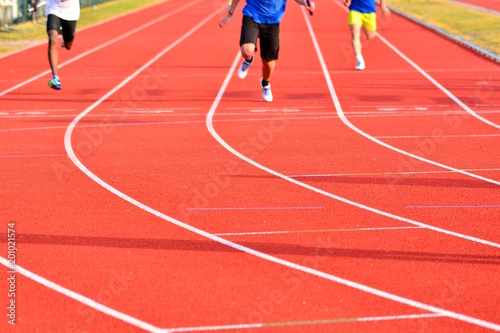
(359, 57)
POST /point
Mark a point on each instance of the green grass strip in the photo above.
(477, 27)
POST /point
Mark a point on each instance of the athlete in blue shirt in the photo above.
(362, 13)
(261, 19)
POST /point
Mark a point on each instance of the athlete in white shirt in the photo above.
(61, 17)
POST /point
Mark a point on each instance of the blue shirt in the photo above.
(265, 11)
(363, 6)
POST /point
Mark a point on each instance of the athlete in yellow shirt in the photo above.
(362, 13)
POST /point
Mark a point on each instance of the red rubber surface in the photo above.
(149, 140)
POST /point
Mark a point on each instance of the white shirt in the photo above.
(68, 10)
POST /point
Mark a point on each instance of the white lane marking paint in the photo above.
(303, 322)
(29, 113)
(67, 143)
(409, 107)
(246, 108)
(340, 112)
(330, 277)
(148, 109)
(82, 299)
(42, 110)
(103, 45)
(147, 112)
(385, 173)
(280, 110)
(414, 316)
(138, 123)
(31, 155)
(310, 231)
(444, 136)
(454, 207)
(84, 169)
(252, 208)
(437, 84)
(305, 116)
(430, 78)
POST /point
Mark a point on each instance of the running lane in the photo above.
(24, 65)
(300, 135)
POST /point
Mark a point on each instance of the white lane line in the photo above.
(308, 115)
(253, 208)
(340, 112)
(148, 109)
(330, 277)
(428, 77)
(82, 299)
(280, 110)
(437, 84)
(29, 113)
(103, 45)
(303, 322)
(246, 108)
(148, 112)
(67, 143)
(314, 272)
(84, 169)
(149, 122)
(454, 207)
(409, 107)
(221, 141)
(42, 110)
(31, 155)
(385, 173)
(444, 136)
(402, 108)
(310, 231)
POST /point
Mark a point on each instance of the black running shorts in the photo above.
(269, 35)
(68, 27)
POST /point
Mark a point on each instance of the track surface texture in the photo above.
(158, 192)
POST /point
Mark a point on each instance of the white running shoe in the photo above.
(266, 92)
(360, 66)
(243, 70)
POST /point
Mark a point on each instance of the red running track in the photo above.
(350, 235)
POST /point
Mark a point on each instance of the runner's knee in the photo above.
(247, 50)
(370, 34)
(53, 37)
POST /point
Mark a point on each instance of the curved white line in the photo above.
(314, 272)
(319, 191)
(103, 45)
(340, 112)
(430, 78)
(67, 143)
(437, 84)
(358, 286)
(82, 299)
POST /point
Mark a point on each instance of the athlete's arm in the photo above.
(304, 3)
(229, 15)
(383, 6)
